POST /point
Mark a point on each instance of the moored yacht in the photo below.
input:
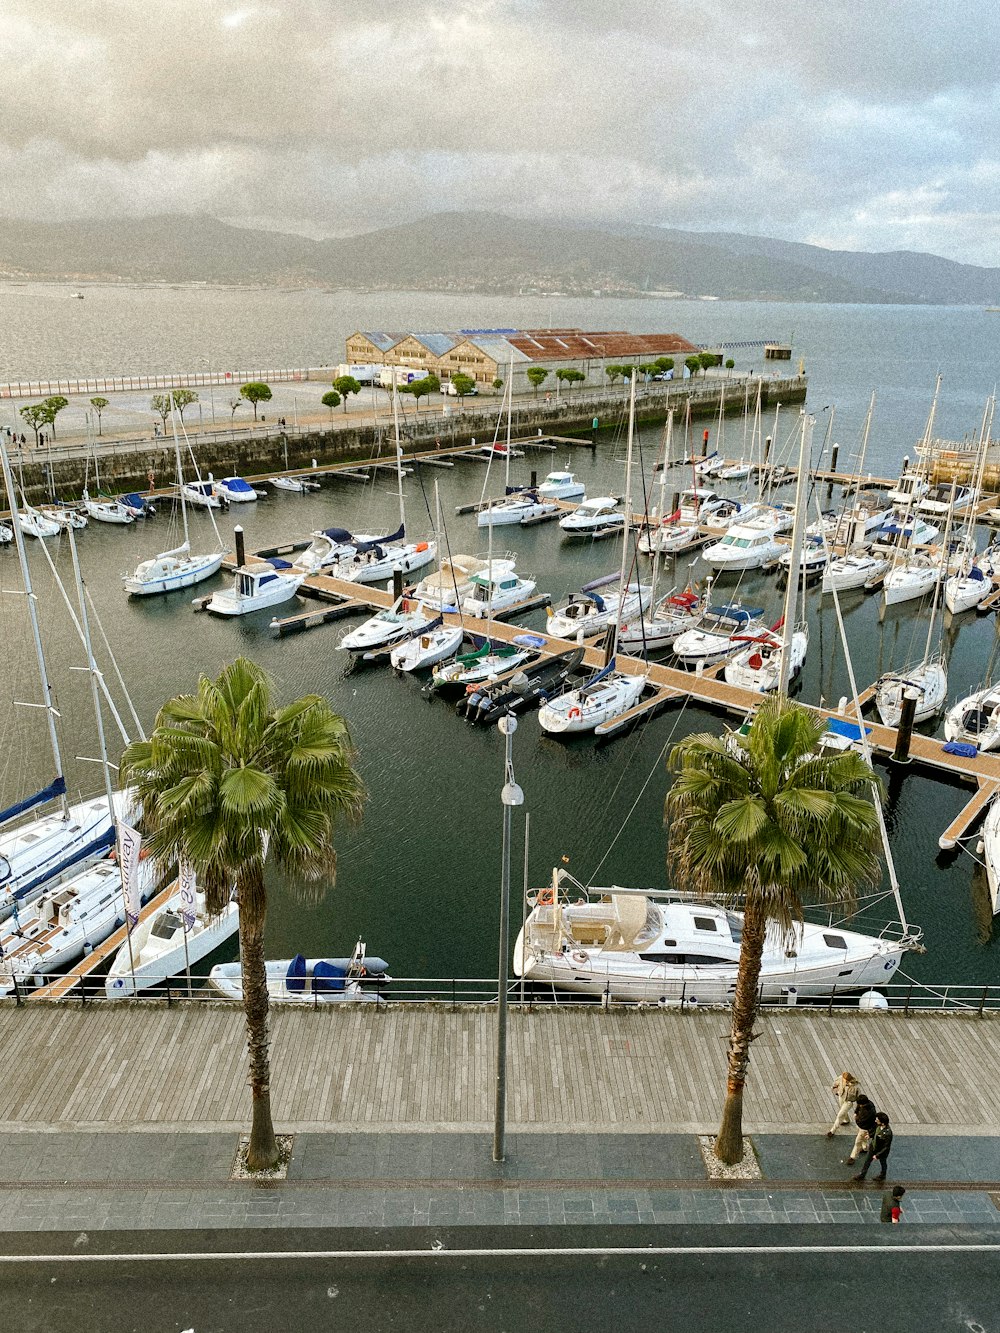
(743, 547)
(386, 627)
(716, 633)
(597, 516)
(561, 486)
(975, 720)
(492, 590)
(595, 607)
(258, 584)
(312, 981)
(165, 945)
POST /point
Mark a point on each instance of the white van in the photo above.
(452, 392)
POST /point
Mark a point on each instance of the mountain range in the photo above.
(487, 252)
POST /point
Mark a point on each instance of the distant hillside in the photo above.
(489, 253)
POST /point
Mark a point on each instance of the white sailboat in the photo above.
(167, 945)
(433, 644)
(33, 523)
(609, 693)
(968, 587)
(64, 516)
(107, 511)
(975, 720)
(177, 568)
(597, 604)
(990, 849)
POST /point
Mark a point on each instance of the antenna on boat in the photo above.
(43, 675)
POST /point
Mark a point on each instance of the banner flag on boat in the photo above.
(129, 842)
(186, 883)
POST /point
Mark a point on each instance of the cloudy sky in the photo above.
(850, 125)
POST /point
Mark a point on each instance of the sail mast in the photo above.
(180, 474)
(399, 451)
(43, 675)
(628, 499)
(794, 569)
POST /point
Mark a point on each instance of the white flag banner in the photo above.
(188, 888)
(129, 842)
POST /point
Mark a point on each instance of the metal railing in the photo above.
(902, 998)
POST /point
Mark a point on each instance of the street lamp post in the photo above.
(510, 796)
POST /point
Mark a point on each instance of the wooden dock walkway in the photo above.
(352, 1067)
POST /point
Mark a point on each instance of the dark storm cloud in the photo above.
(867, 126)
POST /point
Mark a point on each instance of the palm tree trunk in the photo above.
(263, 1150)
(729, 1144)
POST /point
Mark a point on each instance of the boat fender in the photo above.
(574, 713)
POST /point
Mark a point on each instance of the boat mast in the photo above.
(510, 413)
(941, 577)
(180, 474)
(43, 675)
(399, 451)
(95, 674)
(628, 502)
(660, 516)
(794, 571)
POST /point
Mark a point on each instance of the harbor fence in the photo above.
(905, 997)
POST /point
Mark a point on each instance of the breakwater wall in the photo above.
(149, 464)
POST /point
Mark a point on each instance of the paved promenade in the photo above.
(116, 1118)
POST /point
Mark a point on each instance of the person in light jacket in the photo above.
(846, 1091)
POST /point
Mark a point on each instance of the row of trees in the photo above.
(228, 779)
(253, 392)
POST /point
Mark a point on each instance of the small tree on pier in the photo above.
(693, 364)
(664, 364)
(421, 388)
(160, 403)
(536, 375)
(256, 391)
(463, 386)
(35, 415)
(53, 406)
(614, 373)
(228, 780)
(769, 827)
(99, 404)
(730, 364)
(345, 385)
(331, 399)
(183, 398)
(497, 384)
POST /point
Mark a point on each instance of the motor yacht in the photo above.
(596, 516)
(561, 486)
(743, 547)
(256, 585)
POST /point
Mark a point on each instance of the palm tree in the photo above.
(227, 779)
(773, 824)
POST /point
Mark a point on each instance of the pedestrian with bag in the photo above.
(846, 1090)
(864, 1118)
(892, 1205)
(879, 1147)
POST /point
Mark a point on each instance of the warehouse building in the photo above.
(488, 354)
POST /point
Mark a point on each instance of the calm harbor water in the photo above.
(419, 877)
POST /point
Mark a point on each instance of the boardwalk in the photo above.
(426, 1068)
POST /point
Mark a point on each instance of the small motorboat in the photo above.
(258, 584)
(939, 501)
(496, 589)
(137, 505)
(237, 491)
(813, 560)
(302, 980)
(107, 511)
(435, 643)
(36, 524)
(595, 517)
(743, 547)
(297, 485)
(65, 515)
(167, 943)
(975, 720)
(201, 494)
(388, 626)
(561, 486)
(517, 506)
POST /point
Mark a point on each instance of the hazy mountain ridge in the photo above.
(489, 253)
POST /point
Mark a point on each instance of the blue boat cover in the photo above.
(376, 543)
(55, 788)
(741, 614)
(602, 674)
(530, 640)
(961, 748)
(279, 564)
(135, 501)
(328, 977)
(841, 727)
(338, 535)
(976, 574)
(598, 601)
(295, 977)
(237, 484)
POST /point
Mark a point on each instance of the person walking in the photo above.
(892, 1205)
(846, 1091)
(864, 1118)
(879, 1147)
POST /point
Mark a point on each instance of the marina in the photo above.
(938, 796)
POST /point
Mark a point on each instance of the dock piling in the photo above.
(397, 583)
(240, 546)
(901, 754)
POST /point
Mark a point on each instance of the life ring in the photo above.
(545, 898)
(578, 956)
(574, 713)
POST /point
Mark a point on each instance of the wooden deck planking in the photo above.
(967, 816)
(419, 1068)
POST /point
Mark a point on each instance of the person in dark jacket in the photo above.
(879, 1148)
(864, 1118)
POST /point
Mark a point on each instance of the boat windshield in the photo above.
(166, 925)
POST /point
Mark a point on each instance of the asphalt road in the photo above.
(701, 1280)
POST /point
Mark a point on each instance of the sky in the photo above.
(864, 126)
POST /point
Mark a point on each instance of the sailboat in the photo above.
(167, 944)
(609, 693)
(597, 604)
(36, 851)
(929, 677)
(177, 568)
(970, 585)
(375, 562)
